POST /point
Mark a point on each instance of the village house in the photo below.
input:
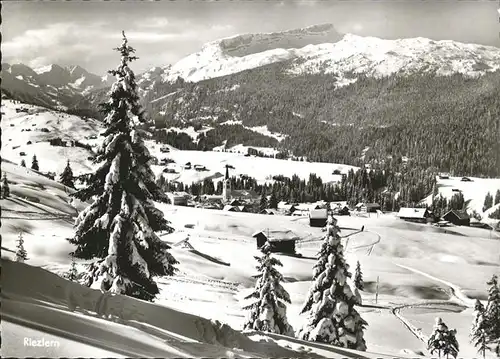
(419, 215)
(457, 217)
(230, 208)
(341, 210)
(268, 211)
(286, 208)
(318, 217)
(279, 240)
(368, 207)
(178, 198)
(244, 208)
(235, 202)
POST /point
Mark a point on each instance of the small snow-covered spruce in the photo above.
(332, 318)
(443, 340)
(72, 273)
(358, 277)
(492, 312)
(66, 177)
(5, 193)
(119, 226)
(268, 312)
(23, 163)
(34, 163)
(21, 254)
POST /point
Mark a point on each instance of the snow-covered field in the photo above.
(260, 168)
(474, 191)
(423, 272)
(15, 137)
(68, 127)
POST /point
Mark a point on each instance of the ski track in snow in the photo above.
(455, 291)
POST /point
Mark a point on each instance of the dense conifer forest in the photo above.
(447, 124)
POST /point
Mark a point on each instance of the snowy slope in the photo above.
(69, 127)
(19, 128)
(260, 168)
(474, 191)
(350, 53)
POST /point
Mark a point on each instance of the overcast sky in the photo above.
(84, 32)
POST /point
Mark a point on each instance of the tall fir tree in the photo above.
(268, 312)
(497, 197)
(358, 277)
(5, 192)
(34, 164)
(273, 200)
(23, 163)
(332, 318)
(488, 202)
(263, 201)
(492, 312)
(66, 177)
(443, 340)
(21, 253)
(478, 314)
(119, 226)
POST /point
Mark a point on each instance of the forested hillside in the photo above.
(432, 122)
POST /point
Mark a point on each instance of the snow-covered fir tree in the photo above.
(23, 163)
(443, 340)
(119, 226)
(332, 318)
(66, 177)
(268, 312)
(478, 334)
(478, 315)
(479, 339)
(21, 254)
(72, 273)
(358, 277)
(5, 192)
(492, 312)
(263, 201)
(34, 163)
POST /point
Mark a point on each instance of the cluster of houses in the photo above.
(423, 215)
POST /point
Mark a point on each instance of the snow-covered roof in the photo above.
(228, 207)
(318, 214)
(277, 235)
(459, 214)
(412, 212)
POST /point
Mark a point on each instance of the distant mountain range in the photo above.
(385, 99)
(52, 86)
(317, 49)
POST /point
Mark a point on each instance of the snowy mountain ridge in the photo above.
(320, 49)
(51, 85)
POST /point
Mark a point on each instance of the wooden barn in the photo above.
(457, 217)
(419, 215)
(279, 240)
(317, 217)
